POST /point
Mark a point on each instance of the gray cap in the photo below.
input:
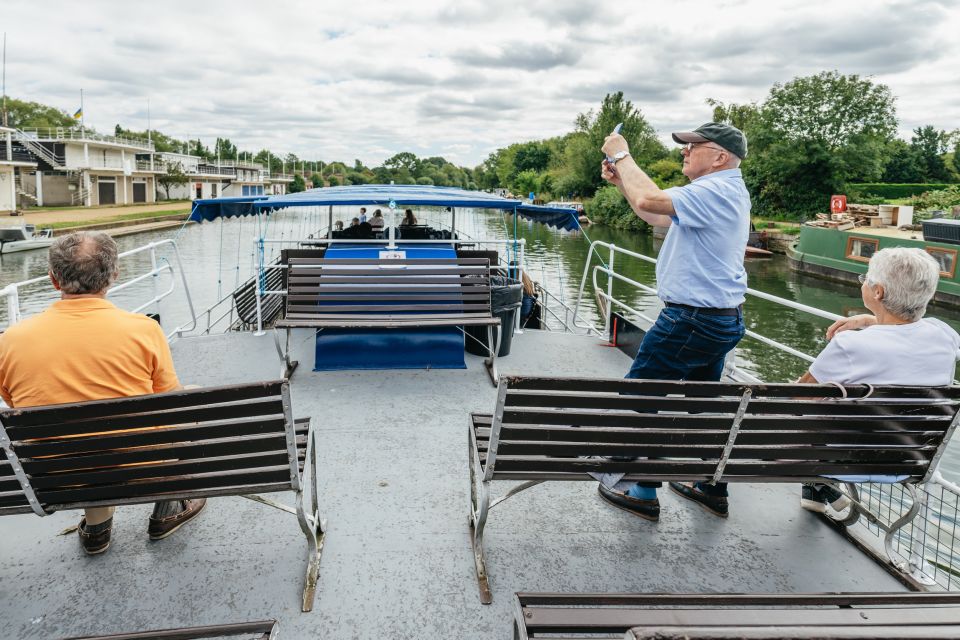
(725, 135)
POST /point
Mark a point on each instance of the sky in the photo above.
(460, 78)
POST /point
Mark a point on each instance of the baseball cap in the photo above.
(725, 135)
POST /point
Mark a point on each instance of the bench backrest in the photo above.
(200, 442)
(360, 287)
(716, 431)
(245, 299)
(720, 615)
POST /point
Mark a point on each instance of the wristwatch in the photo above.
(619, 155)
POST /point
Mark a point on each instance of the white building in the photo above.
(76, 167)
(14, 162)
(223, 179)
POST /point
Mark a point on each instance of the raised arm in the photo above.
(647, 200)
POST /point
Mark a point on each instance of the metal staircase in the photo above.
(23, 193)
(80, 193)
(32, 144)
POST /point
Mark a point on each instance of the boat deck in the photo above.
(392, 454)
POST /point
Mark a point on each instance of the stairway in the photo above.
(31, 144)
(21, 192)
(80, 193)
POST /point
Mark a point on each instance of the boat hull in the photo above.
(25, 245)
(823, 253)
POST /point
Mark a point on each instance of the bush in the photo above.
(610, 208)
(891, 191)
(943, 199)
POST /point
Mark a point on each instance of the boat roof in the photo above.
(397, 563)
(386, 195)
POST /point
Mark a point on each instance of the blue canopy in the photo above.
(398, 196)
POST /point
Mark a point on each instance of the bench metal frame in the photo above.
(409, 300)
(545, 397)
(693, 616)
(146, 416)
(262, 630)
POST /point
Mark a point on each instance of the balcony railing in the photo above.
(64, 133)
(211, 169)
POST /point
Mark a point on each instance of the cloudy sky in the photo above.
(459, 78)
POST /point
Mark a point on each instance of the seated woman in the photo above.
(895, 344)
(338, 225)
(377, 220)
(409, 219)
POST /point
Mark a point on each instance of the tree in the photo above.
(403, 161)
(810, 138)
(297, 185)
(902, 165)
(23, 114)
(928, 145)
(583, 153)
(174, 177)
(332, 181)
(527, 182)
(533, 156)
(316, 181)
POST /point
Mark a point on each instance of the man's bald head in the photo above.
(84, 262)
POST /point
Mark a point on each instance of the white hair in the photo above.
(909, 279)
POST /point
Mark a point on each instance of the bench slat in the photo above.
(211, 463)
(178, 451)
(317, 299)
(152, 488)
(72, 412)
(121, 440)
(337, 310)
(406, 261)
(616, 385)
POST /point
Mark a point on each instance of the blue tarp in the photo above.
(401, 195)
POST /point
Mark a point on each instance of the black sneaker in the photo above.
(717, 505)
(646, 509)
(816, 498)
(95, 539)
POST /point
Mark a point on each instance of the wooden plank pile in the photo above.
(856, 215)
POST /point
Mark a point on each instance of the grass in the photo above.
(82, 208)
(143, 215)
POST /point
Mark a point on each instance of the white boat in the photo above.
(24, 238)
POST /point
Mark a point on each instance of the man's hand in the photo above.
(614, 143)
(848, 324)
(608, 171)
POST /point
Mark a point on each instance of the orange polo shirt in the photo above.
(83, 349)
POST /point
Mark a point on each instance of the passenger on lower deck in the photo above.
(82, 348)
(892, 345)
(409, 219)
(377, 220)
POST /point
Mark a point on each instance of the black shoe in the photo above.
(95, 539)
(816, 497)
(717, 505)
(647, 509)
(171, 515)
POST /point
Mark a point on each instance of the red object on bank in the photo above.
(838, 204)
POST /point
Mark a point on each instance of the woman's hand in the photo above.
(853, 322)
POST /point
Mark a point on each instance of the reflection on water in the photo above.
(217, 256)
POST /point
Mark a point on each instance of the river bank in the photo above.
(117, 221)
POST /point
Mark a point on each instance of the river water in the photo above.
(217, 256)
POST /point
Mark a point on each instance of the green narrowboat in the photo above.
(843, 255)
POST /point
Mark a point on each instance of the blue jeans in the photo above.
(687, 345)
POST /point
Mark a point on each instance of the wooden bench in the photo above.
(735, 616)
(387, 294)
(238, 440)
(561, 428)
(263, 630)
(245, 300)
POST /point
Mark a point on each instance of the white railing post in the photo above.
(609, 313)
(13, 304)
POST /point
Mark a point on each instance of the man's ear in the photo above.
(53, 281)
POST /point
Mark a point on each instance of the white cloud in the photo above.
(365, 80)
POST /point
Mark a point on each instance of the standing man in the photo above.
(700, 278)
(81, 348)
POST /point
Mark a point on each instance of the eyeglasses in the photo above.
(690, 146)
(862, 278)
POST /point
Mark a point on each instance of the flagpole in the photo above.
(4, 78)
(82, 114)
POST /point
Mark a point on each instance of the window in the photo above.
(213, 190)
(946, 258)
(861, 249)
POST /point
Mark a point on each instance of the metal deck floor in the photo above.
(395, 493)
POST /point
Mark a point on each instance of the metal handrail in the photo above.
(12, 291)
(71, 133)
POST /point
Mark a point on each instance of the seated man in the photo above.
(896, 345)
(82, 348)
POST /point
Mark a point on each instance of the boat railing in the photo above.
(158, 266)
(932, 541)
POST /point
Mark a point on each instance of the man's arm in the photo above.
(647, 200)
